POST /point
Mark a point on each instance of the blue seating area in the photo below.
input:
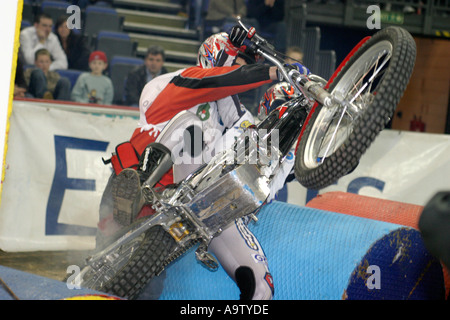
(115, 43)
(127, 27)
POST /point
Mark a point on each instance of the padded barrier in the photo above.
(368, 207)
(373, 208)
(319, 255)
(27, 286)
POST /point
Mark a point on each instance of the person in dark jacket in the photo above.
(153, 66)
(271, 20)
(74, 45)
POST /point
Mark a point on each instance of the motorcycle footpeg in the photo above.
(206, 259)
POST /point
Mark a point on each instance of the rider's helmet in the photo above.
(276, 95)
(217, 51)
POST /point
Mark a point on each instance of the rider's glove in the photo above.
(295, 66)
(237, 35)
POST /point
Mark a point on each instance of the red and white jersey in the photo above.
(209, 93)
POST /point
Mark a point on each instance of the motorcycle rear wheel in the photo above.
(373, 79)
(125, 271)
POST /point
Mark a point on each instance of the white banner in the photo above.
(55, 176)
(402, 166)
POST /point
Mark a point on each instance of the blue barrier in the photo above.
(320, 255)
(28, 286)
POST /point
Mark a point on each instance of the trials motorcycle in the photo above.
(330, 125)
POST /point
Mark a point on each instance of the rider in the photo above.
(199, 99)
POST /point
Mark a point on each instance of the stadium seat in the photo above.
(25, 24)
(55, 8)
(119, 67)
(115, 44)
(71, 74)
(98, 18)
(311, 44)
(326, 63)
(28, 10)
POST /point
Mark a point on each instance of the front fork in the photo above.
(287, 120)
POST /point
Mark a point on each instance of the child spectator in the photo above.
(43, 83)
(94, 87)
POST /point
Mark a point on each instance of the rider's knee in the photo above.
(251, 287)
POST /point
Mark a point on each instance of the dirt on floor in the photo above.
(50, 264)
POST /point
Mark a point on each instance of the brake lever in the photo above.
(259, 40)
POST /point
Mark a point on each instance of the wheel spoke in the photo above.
(370, 81)
(334, 125)
(333, 137)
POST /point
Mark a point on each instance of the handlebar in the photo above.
(300, 82)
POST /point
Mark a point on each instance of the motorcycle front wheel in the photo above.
(126, 270)
(372, 80)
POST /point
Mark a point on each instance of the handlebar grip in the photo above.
(250, 45)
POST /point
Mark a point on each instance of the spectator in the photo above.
(40, 36)
(219, 11)
(270, 17)
(94, 87)
(20, 84)
(44, 83)
(138, 78)
(294, 54)
(74, 45)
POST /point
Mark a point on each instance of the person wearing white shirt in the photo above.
(40, 36)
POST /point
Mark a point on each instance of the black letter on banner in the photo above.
(361, 182)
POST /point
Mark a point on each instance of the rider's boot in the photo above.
(127, 193)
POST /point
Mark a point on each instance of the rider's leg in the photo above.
(242, 257)
(183, 136)
(154, 163)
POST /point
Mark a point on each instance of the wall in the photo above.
(427, 94)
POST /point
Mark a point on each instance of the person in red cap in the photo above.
(94, 86)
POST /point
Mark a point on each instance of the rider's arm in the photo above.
(203, 85)
(196, 85)
(273, 73)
